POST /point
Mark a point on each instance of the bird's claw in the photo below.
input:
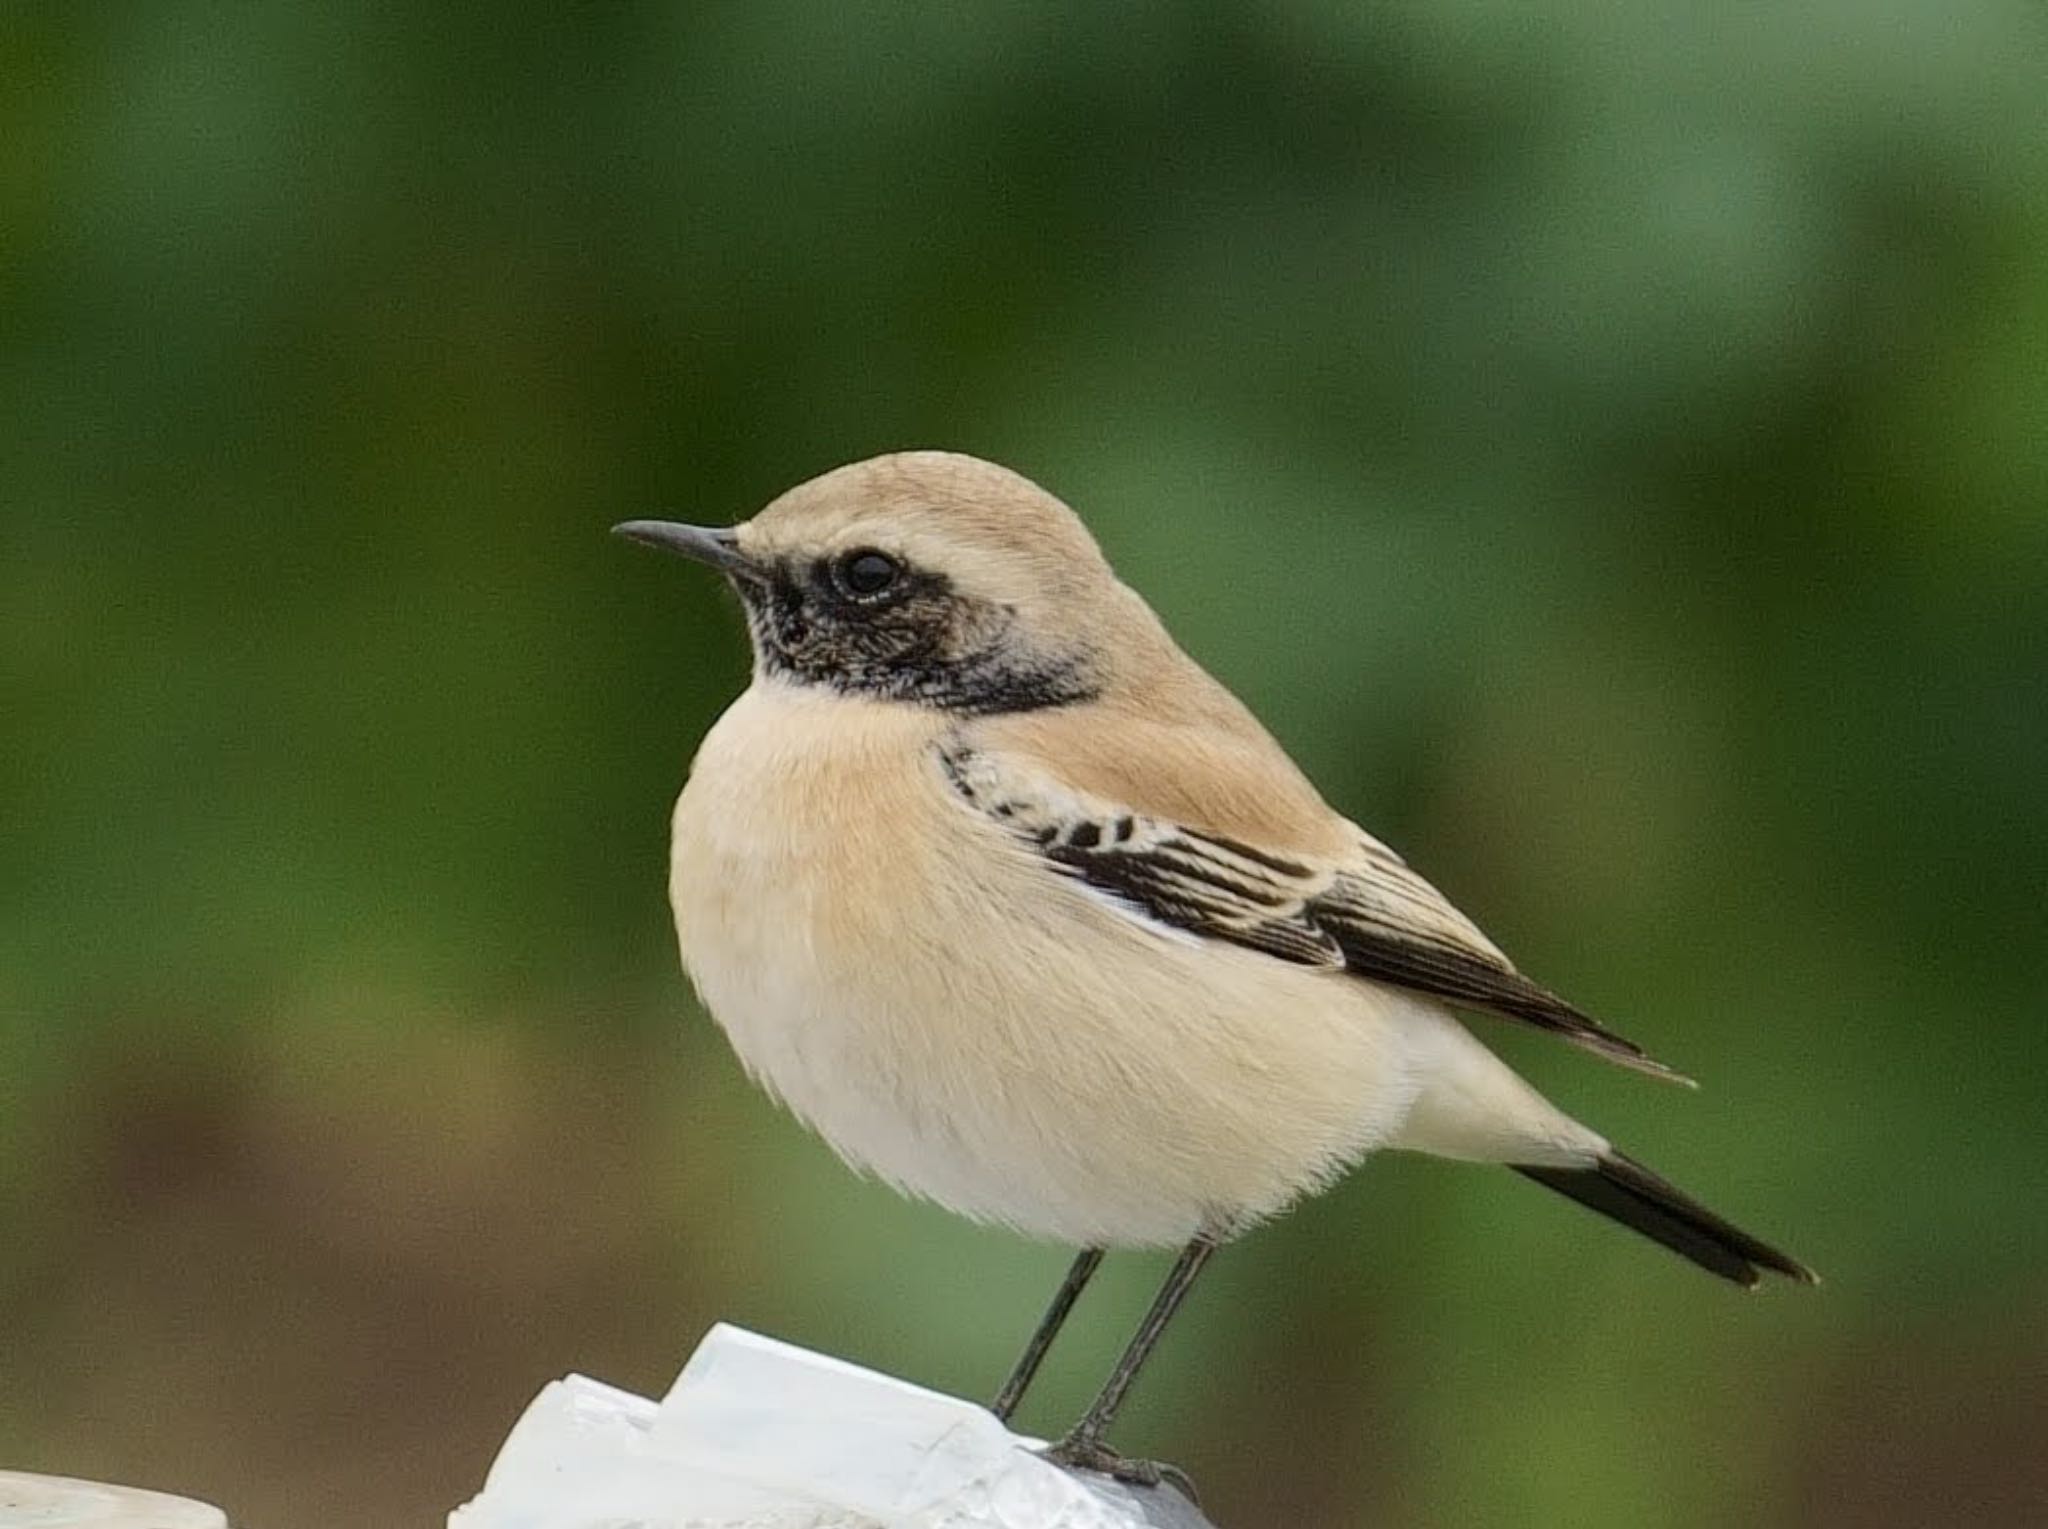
(1092, 1455)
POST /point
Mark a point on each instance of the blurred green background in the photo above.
(1608, 443)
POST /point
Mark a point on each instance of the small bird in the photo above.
(1023, 912)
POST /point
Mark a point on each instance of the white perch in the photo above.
(754, 1434)
(757, 1434)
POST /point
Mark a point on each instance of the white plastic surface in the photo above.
(757, 1434)
(59, 1502)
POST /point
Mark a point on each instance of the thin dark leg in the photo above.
(1048, 1329)
(1084, 1446)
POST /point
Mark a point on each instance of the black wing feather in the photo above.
(1380, 921)
(1430, 964)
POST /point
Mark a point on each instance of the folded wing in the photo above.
(1364, 912)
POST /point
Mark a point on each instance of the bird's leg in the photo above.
(1049, 1325)
(1083, 1447)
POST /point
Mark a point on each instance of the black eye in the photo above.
(867, 573)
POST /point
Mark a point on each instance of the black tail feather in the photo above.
(1624, 1189)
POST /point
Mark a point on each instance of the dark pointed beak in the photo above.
(719, 546)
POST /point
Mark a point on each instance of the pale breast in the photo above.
(960, 1020)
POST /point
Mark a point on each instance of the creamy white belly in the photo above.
(955, 1017)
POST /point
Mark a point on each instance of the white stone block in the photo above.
(59, 1502)
(757, 1434)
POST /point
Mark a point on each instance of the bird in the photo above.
(1004, 896)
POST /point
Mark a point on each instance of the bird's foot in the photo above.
(1079, 1454)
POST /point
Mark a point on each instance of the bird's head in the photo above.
(925, 577)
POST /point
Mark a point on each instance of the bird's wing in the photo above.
(1359, 909)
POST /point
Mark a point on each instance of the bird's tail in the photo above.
(1624, 1189)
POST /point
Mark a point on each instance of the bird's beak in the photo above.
(719, 546)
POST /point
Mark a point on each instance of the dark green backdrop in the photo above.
(1609, 443)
